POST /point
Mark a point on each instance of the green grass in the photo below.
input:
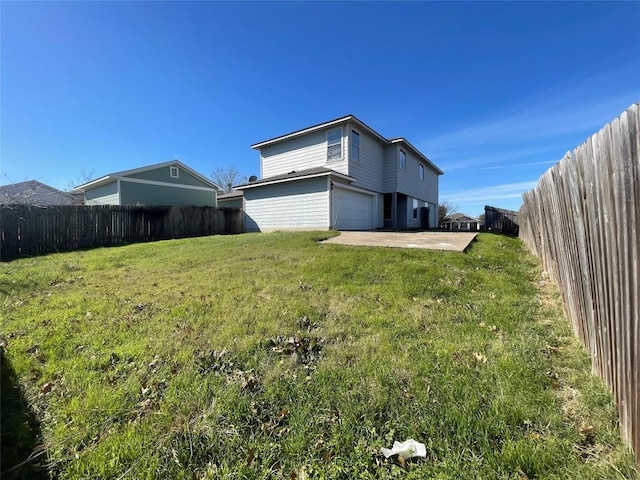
(275, 356)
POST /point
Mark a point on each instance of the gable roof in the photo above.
(33, 192)
(125, 173)
(456, 217)
(295, 175)
(341, 121)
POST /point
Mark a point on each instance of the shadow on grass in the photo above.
(21, 455)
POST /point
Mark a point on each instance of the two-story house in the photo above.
(341, 175)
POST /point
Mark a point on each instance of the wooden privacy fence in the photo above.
(36, 230)
(499, 220)
(582, 221)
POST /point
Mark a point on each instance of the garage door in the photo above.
(352, 210)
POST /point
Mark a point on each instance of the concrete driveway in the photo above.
(455, 241)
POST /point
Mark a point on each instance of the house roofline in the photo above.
(456, 217)
(234, 194)
(8, 187)
(124, 173)
(342, 121)
(300, 176)
(402, 140)
(320, 126)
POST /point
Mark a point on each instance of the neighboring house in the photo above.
(460, 221)
(33, 192)
(341, 175)
(231, 199)
(168, 183)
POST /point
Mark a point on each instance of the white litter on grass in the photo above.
(406, 450)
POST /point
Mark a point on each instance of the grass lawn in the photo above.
(275, 356)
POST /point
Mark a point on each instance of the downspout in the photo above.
(330, 202)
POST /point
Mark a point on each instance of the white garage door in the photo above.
(352, 210)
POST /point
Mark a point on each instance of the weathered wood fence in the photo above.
(36, 230)
(583, 221)
(499, 220)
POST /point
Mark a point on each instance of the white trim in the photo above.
(361, 125)
(291, 179)
(315, 128)
(108, 178)
(354, 189)
(329, 202)
(174, 168)
(119, 192)
(302, 132)
(166, 184)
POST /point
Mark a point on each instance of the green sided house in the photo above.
(168, 183)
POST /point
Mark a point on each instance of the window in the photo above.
(421, 172)
(174, 172)
(415, 208)
(355, 146)
(403, 160)
(334, 144)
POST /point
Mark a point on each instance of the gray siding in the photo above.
(104, 195)
(163, 175)
(144, 194)
(410, 184)
(295, 205)
(410, 221)
(390, 179)
(301, 153)
(369, 169)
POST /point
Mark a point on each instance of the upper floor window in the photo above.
(355, 146)
(421, 172)
(334, 144)
(403, 160)
(174, 172)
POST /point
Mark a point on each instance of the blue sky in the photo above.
(492, 93)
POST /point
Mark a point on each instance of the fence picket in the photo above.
(583, 221)
(36, 230)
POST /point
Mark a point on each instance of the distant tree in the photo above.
(85, 177)
(227, 177)
(445, 209)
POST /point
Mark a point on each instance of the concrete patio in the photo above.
(454, 241)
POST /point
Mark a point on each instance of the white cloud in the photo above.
(487, 195)
(504, 158)
(526, 164)
(580, 106)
